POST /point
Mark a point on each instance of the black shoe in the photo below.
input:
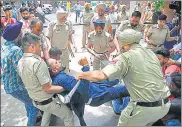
(38, 121)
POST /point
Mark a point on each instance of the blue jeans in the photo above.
(120, 104)
(113, 93)
(32, 112)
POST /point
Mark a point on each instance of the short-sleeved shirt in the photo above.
(157, 35)
(34, 73)
(141, 72)
(106, 20)
(126, 25)
(101, 43)
(122, 16)
(59, 34)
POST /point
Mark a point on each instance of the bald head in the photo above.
(36, 26)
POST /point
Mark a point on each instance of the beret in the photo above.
(12, 31)
(107, 9)
(128, 36)
(162, 17)
(99, 22)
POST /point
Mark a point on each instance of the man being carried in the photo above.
(94, 94)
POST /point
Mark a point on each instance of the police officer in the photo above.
(148, 18)
(158, 33)
(100, 9)
(87, 16)
(59, 34)
(141, 72)
(133, 23)
(102, 43)
(123, 15)
(35, 76)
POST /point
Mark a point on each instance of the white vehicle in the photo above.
(47, 8)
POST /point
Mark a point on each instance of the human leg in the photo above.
(59, 109)
(84, 36)
(134, 115)
(32, 111)
(96, 64)
(65, 59)
(112, 94)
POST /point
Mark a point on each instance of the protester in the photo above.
(24, 11)
(8, 16)
(13, 85)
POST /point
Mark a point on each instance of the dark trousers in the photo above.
(113, 93)
(77, 15)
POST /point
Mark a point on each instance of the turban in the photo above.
(87, 5)
(61, 13)
(99, 23)
(128, 36)
(162, 17)
(100, 6)
(12, 31)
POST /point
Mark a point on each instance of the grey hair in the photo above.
(34, 22)
(28, 39)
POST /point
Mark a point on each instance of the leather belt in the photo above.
(153, 104)
(46, 101)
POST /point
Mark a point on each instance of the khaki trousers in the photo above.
(86, 30)
(97, 64)
(134, 115)
(65, 59)
(57, 108)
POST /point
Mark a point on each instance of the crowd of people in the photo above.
(138, 80)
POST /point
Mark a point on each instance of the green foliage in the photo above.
(159, 4)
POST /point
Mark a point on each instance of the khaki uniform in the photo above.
(148, 18)
(86, 28)
(158, 36)
(106, 20)
(43, 44)
(141, 72)
(101, 44)
(122, 16)
(126, 25)
(59, 36)
(34, 73)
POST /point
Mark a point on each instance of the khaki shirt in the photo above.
(141, 72)
(59, 34)
(106, 20)
(122, 16)
(87, 16)
(158, 36)
(101, 43)
(126, 25)
(34, 73)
